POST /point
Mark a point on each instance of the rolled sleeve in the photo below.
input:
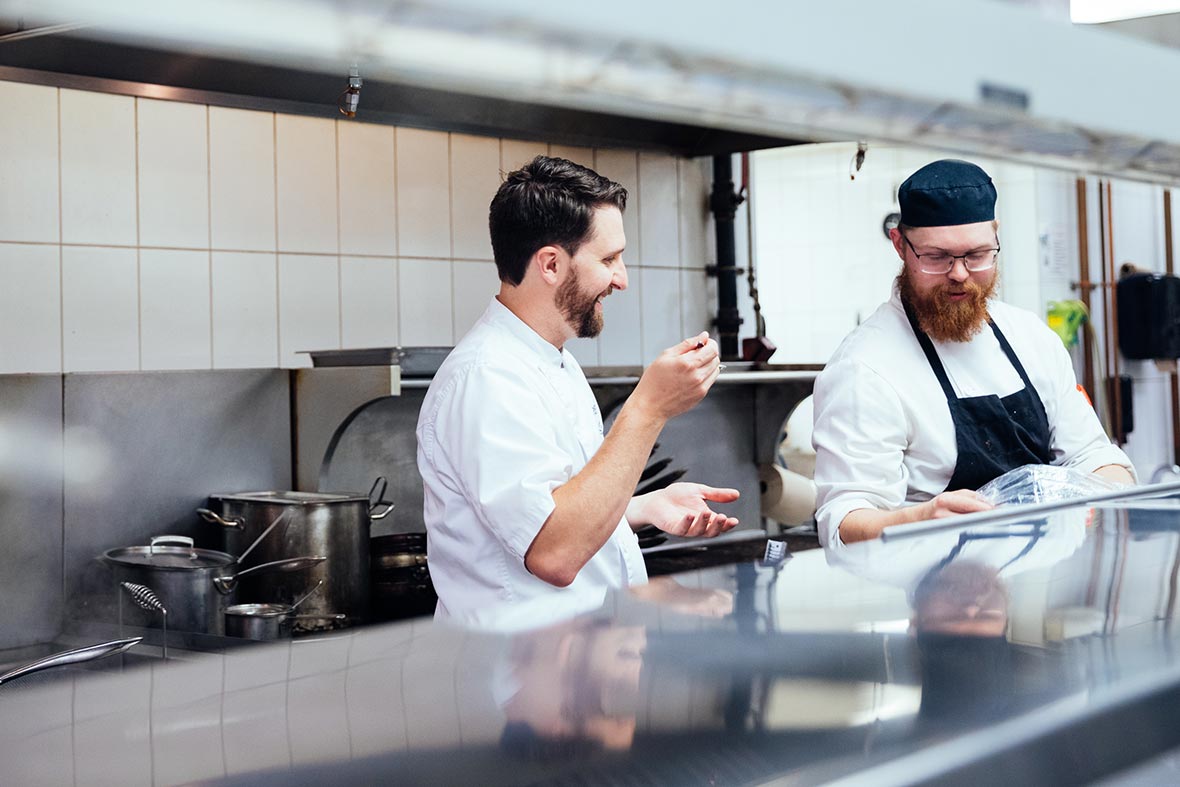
(507, 461)
(860, 437)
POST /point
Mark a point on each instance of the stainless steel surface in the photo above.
(324, 400)
(413, 361)
(1002, 514)
(166, 440)
(634, 60)
(77, 656)
(335, 526)
(31, 509)
(1043, 651)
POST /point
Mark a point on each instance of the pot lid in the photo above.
(178, 558)
(292, 498)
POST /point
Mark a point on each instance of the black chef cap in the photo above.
(947, 193)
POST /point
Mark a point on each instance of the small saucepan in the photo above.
(269, 621)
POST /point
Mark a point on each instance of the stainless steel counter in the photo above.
(1037, 650)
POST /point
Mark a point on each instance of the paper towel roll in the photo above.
(789, 498)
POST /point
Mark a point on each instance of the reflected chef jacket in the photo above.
(883, 433)
(508, 419)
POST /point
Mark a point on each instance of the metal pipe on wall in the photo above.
(1084, 288)
(1173, 379)
(723, 203)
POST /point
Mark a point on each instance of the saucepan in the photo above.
(269, 621)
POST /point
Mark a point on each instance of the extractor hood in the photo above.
(975, 76)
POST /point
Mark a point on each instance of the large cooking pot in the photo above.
(317, 523)
(194, 585)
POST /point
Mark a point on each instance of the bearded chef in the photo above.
(944, 388)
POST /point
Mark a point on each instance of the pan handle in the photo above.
(210, 516)
(76, 656)
(226, 585)
(376, 492)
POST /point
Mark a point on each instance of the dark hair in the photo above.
(547, 202)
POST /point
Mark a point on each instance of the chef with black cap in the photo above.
(944, 388)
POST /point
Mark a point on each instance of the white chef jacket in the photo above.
(883, 432)
(508, 419)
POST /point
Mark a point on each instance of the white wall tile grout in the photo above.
(209, 213)
(61, 280)
(339, 246)
(278, 268)
(138, 270)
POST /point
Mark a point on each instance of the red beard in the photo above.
(945, 320)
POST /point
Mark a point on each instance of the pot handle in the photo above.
(210, 516)
(326, 616)
(184, 541)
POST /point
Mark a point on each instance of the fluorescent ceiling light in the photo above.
(1089, 12)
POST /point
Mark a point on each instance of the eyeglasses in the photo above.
(941, 263)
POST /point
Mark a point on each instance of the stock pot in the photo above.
(336, 526)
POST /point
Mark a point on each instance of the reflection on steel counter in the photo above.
(964, 670)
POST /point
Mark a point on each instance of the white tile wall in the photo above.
(622, 166)
(425, 302)
(174, 309)
(660, 289)
(29, 207)
(574, 153)
(173, 174)
(369, 302)
(142, 234)
(475, 176)
(515, 153)
(242, 179)
(659, 224)
(97, 168)
(305, 161)
(368, 202)
(30, 314)
(620, 343)
(475, 284)
(245, 310)
(100, 309)
(309, 306)
(423, 188)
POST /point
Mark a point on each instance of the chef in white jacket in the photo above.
(525, 499)
(944, 388)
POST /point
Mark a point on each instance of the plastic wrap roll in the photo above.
(789, 498)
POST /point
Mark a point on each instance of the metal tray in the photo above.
(414, 361)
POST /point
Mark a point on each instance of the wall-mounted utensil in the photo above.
(76, 656)
(147, 599)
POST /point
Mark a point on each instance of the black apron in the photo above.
(992, 435)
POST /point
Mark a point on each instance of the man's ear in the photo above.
(547, 261)
(898, 242)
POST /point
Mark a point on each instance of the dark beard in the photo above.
(944, 320)
(578, 309)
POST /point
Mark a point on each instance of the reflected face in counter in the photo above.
(578, 693)
(966, 599)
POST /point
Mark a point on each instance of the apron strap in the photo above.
(1008, 351)
(931, 356)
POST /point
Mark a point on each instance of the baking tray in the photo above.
(414, 361)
